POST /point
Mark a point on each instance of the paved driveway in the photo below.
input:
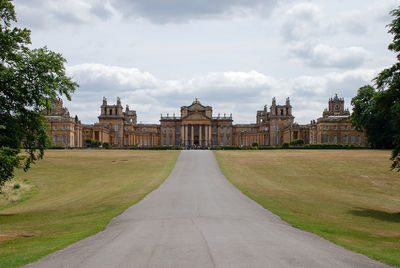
(196, 218)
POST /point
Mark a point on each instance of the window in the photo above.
(334, 139)
(214, 140)
(150, 141)
(178, 129)
(126, 129)
(281, 112)
(228, 130)
(214, 129)
(327, 139)
(64, 139)
(222, 130)
(228, 140)
(145, 141)
(334, 127)
(110, 111)
(116, 127)
(141, 140)
(346, 127)
(177, 140)
(164, 130)
(276, 140)
(221, 140)
(55, 127)
(170, 140)
(358, 139)
(126, 141)
(170, 130)
(241, 141)
(265, 140)
(55, 139)
(164, 140)
(115, 139)
(352, 139)
(276, 127)
(326, 127)
(346, 139)
(63, 127)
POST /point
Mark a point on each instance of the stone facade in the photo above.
(196, 126)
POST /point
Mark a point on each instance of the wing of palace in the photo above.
(197, 126)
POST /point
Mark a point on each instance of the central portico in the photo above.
(196, 126)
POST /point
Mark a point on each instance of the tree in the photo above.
(379, 111)
(369, 116)
(29, 80)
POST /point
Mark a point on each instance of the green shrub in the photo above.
(134, 147)
(162, 147)
(254, 144)
(92, 143)
(266, 147)
(16, 186)
(55, 147)
(230, 147)
(106, 145)
(285, 145)
(297, 142)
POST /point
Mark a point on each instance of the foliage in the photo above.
(379, 112)
(370, 116)
(133, 147)
(254, 144)
(16, 186)
(297, 142)
(92, 143)
(106, 145)
(29, 79)
(285, 145)
(162, 147)
(55, 147)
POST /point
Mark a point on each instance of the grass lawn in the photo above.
(72, 194)
(350, 197)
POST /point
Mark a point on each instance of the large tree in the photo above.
(29, 80)
(378, 112)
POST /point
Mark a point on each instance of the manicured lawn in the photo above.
(350, 197)
(73, 194)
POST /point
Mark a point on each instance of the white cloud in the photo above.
(326, 56)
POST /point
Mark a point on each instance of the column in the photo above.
(186, 135)
(192, 136)
(200, 135)
(210, 134)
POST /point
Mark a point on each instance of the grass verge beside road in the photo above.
(74, 194)
(351, 198)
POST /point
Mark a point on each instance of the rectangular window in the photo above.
(215, 129)
(126, 141)
(115, 139)
(164, 130)
(141, 140)
(55, 139)
(116, 127)
(170, 130)
(145, 141)
(327, 139)
(346, 139)
(346, 127)
(177, 140)
(55, 127)
(221, 140)
(334, 127)
(150, 141)
(228, 140)
(352, 139)
(178, 130)
(335, 139)
(214, 140)
(221, 130)
(276, 127)
(358, 139)
(164, 140)
(276, 140)
(228, 130)
(64, 139)
(170, 140)
(265, 140)
(326, 127)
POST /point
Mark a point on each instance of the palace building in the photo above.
(197, 126)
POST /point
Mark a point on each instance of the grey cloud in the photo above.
(46, 13)
(181, 11)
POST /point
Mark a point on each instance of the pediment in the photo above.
(196, 107)
(196, 116)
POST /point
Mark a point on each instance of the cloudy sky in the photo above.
(234, 55)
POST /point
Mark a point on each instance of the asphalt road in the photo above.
(196, 218)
